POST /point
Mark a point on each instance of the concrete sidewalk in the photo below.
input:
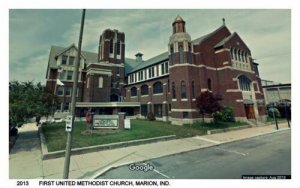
(25, 157)
(27, 163)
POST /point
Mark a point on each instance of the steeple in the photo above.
(178, 25)
(223, 21)
(180, 45)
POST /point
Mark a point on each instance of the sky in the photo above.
(267, 32)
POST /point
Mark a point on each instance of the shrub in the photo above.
(13, 131)
(276, 112)
(217, 116)
(226, 115)
(150, 116)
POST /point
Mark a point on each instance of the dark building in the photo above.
(166, 85)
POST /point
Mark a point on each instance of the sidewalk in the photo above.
(25, 158)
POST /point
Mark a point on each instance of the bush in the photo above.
(13, 131)
(150, 116)
(217, 116)
(226, 115)
(276, 112)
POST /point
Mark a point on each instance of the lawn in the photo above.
(219, 125)
(56, 135)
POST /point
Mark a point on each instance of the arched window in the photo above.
(157, 88)
(172, 53)
(180, 49)
(190, 60)
(209, 84)
(111, 46)
(118, 47)
(183, 90)
(193, 89)
(244, 83)
(239, 55)
(243, 59)
(231, 53)
(144, 90)
(133, 91)
(246, 57)
(235, 53)
(173, 91)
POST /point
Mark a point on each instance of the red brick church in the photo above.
(166, 85)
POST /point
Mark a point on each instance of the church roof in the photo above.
(226, 39)
(151, 61)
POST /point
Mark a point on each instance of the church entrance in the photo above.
(249, 111)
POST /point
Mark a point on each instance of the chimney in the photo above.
(139, 57)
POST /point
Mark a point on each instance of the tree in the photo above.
(27, 100)
(207, 103)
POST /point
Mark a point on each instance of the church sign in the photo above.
(106, 121)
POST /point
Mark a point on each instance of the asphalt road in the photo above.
(264, 155)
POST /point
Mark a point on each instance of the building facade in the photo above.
(166, 85)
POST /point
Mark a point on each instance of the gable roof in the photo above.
(58, 50)
(204, 37)
(151, 61)
(222, 42)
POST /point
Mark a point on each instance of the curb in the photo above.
(76, 151)
(99, 173)
(214, 131)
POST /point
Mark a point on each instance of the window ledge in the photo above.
(184, 99)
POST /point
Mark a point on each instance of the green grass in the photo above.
(219, 125)
(56, 135)
(279, 120)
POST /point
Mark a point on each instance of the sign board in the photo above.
(106, 121)
(127, 124)
(69, 123)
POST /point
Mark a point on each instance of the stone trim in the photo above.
(233, 90)
(106, 63)
(183, 110)
(222, 50)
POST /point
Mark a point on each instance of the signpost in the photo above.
(69, 124)
(74, 93)
(274, 116)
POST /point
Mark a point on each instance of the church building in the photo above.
(166, 85)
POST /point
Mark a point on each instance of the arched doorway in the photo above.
(114, 98)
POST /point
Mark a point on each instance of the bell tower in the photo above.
(112, 46)
(181, 73)
(180, 46)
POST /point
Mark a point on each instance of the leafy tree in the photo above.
(27, 100)
(207, 103)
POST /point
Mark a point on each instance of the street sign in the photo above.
(69, 123)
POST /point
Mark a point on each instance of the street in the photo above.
(263, 155)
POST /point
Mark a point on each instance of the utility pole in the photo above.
(74, 93)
